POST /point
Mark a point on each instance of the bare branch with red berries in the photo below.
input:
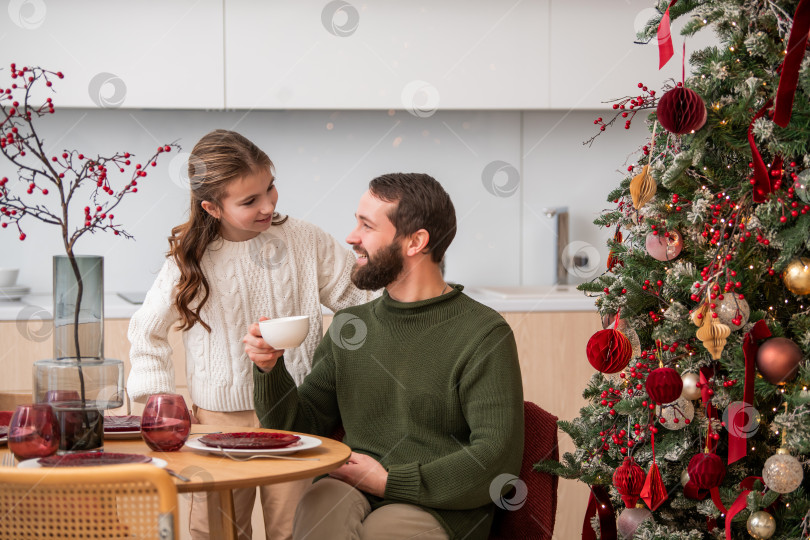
(627, 108)
(46, 184)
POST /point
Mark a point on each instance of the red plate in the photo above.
(249, 440)
(116, 424)
(86, 459)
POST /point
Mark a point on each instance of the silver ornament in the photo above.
(761, 525)
(690, 389)
(782, 472)
(676, 413)
(629, 520)
(731, 307)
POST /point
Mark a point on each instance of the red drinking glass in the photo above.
(33, 432)
(165, 423)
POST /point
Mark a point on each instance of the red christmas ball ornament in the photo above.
(681, 110)
(778, 360)
(664, 385)
(628, 480)
(609, 351)
(706, 471)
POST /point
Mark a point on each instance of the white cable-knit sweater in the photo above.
(290, 269)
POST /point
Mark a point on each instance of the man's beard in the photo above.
(380, 270)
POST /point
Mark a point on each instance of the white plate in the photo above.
(34, 464)
(305, 443)
(10, 294)
(120, 435)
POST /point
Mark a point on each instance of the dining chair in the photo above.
(115, 501)
(531, 514)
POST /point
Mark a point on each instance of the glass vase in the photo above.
(87, 331)
(79, 383)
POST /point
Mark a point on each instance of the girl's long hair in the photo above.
(218, 158)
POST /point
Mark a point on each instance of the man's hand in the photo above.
(260, 353)
(363, 472)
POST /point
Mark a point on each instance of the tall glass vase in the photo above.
(79, 382)
(89, 334)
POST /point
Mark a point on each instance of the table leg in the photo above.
(221, 517)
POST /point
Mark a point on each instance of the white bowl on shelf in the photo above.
(286, 332)
(8, 276)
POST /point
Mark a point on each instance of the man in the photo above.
(424, 380)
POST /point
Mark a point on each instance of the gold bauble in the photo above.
(690, 389)
(761, 525)
(796, 276)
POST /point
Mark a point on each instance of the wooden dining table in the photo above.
(207, 472)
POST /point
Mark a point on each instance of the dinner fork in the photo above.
(271, 456)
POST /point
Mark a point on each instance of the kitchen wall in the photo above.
(324, 160)
(493, 99)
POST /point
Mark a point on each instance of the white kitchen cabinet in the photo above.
(147, 54)
(418, 56)
(594, 58)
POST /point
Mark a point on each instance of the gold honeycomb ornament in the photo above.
(642, 188)
(713, 334)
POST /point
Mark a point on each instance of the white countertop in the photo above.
(503, 299)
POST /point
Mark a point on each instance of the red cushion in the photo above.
(535, 519)
(5, 417)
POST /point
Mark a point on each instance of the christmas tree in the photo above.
(698, 422)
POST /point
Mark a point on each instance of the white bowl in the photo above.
(286, 332)
(8, 276)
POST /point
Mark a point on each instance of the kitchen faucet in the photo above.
(561, 231)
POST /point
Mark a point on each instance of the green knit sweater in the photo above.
(430, 389)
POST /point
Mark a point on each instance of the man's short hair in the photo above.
(421, 203)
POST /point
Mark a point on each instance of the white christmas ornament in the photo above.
(690, 389)
(731, 307)
(675, 414)
(782, 472)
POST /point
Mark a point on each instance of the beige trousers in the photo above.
(333, 510)
(278, 500)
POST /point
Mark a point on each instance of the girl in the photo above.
(235, 260)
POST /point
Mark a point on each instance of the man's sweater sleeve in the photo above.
(310, 408)
(491, 393)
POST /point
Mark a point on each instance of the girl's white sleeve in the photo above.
(150, 354)
(335, 264)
